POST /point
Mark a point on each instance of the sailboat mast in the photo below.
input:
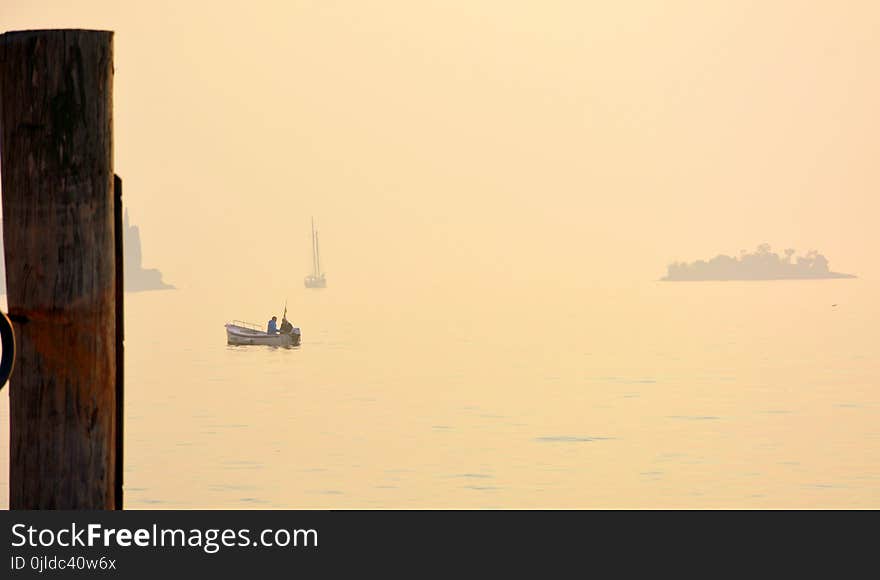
(314, 250)
(317, 253)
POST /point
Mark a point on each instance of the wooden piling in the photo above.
(56, 160)
(120, 335)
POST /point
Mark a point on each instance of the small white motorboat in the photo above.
(239, 332)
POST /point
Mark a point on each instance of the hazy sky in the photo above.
(492, 141)
(491, 178)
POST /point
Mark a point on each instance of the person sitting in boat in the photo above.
(286, 326)
(272, 328)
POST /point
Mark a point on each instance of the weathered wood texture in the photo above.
(56, 160)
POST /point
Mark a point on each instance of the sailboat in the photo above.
(316, 279)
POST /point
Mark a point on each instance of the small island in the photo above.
(137, 278)
(759, 265)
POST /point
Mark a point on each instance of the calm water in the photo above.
(652, 395)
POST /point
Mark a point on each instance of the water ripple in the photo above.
(570, 439)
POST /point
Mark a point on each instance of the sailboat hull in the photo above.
(314, 282)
